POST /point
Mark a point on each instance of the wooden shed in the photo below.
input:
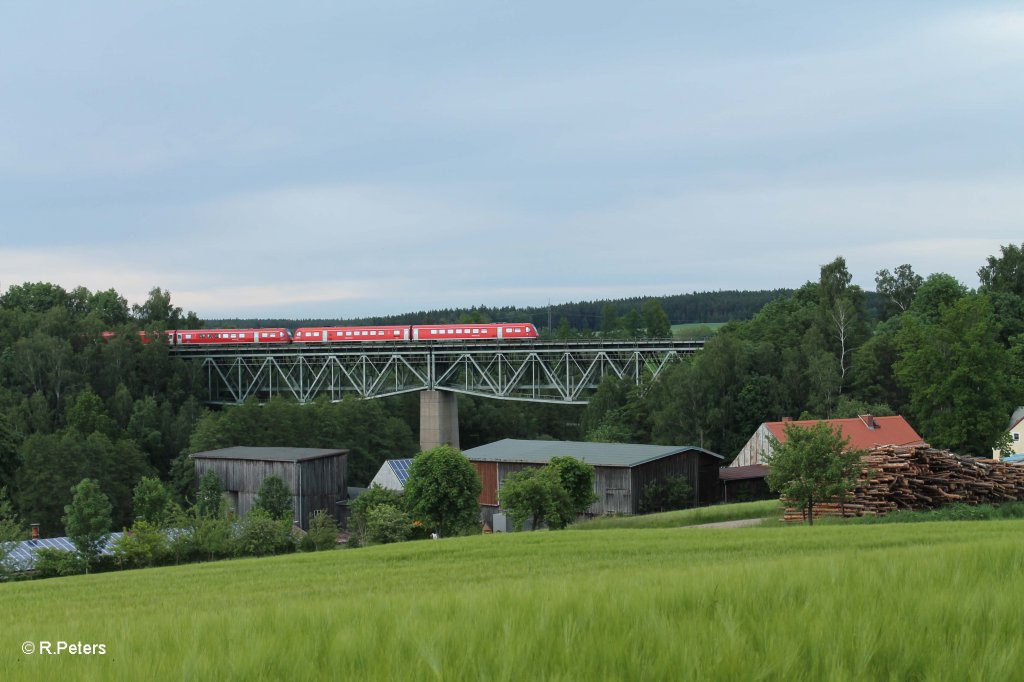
(622, 470)
(316, 478)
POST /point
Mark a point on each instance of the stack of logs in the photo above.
(920, 477)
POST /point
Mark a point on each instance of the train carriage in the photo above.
(452, 332)
(351, 334)
(202, 337)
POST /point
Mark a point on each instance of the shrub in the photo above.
(275, 498)
(52, 563)
(369, 500)
(259, 535)
(323, 532)
(146, 545)
(387, 524)
(668, 494)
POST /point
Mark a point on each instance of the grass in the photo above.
(896, 602)
(687, 517)
(695, 330)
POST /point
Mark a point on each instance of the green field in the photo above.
(897, 602)
(695, 330)
(688, 517)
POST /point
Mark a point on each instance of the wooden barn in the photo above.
(316, 478)
(622, 470)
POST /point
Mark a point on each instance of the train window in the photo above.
(508, 330)
(433, 331)
(476, 330)
(518, 329)
(373, 332)
(234, 336)
(348, 333)
(188, 336)
(396, 333)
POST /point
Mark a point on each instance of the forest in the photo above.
(74, 404)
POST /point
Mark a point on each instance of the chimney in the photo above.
(869, 421)
(35, 533)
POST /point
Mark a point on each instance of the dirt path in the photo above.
(740, 523)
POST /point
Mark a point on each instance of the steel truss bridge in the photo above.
(539, 371)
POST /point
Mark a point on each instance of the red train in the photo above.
(329, 335)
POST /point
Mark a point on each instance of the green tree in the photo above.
(442, 491)
(10, 440)
(1005, 273)
(655, 320)
(210, 498)
(11, 530)
(87, 520)
(374, 497)
(323, 532)
(261, 534)
(578, 480)
(151, 501)
(813, 465)
(961, 380)
(274, 498)
(387, 523)
(536, 494)
(900, 287)
(146, 545)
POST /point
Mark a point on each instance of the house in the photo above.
(1016, 431)
(864, 432)
(393, 474)
(316, 478)
(622, 471)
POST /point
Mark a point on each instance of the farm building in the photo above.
(622, 471)
(316, 478)
(1016, 431)
(865, 432)
(744, 484)
(392, 475)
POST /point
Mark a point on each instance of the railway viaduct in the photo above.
(564, 372)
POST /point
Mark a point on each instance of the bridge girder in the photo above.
(553, 372)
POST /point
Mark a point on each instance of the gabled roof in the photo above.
(597, 454)
(268, 454)
(1017, 418)
(886, 431)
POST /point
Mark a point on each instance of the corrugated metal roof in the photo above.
(268, 454)
(597, 454)
(743, 473)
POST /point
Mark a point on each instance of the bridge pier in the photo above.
(439, 419)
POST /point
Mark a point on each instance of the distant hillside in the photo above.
(698, 307)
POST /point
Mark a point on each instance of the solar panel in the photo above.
(401, 469)
(23, 555)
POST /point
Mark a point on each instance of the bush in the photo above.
(259, 535)
(52, 563)
(275, 498)
(146, 545)
(369, 500)
(387, 524)
(323, 532)
(668, 494)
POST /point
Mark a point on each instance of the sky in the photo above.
(335, 159)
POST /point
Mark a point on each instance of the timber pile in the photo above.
(919, 477)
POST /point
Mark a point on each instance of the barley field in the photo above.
(931, 601)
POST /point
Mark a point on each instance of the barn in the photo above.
(622, 470)
(315, 477)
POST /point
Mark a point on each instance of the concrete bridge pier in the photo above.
(439, 419)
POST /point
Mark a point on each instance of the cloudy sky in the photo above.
(340, 159)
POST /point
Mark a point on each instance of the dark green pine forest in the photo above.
(75, 403)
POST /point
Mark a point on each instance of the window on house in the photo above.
(1016, 437)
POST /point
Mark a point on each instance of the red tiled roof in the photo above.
(742, 473)
(887, 431)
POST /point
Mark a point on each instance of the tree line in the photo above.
(949, 358)
(580, 316)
